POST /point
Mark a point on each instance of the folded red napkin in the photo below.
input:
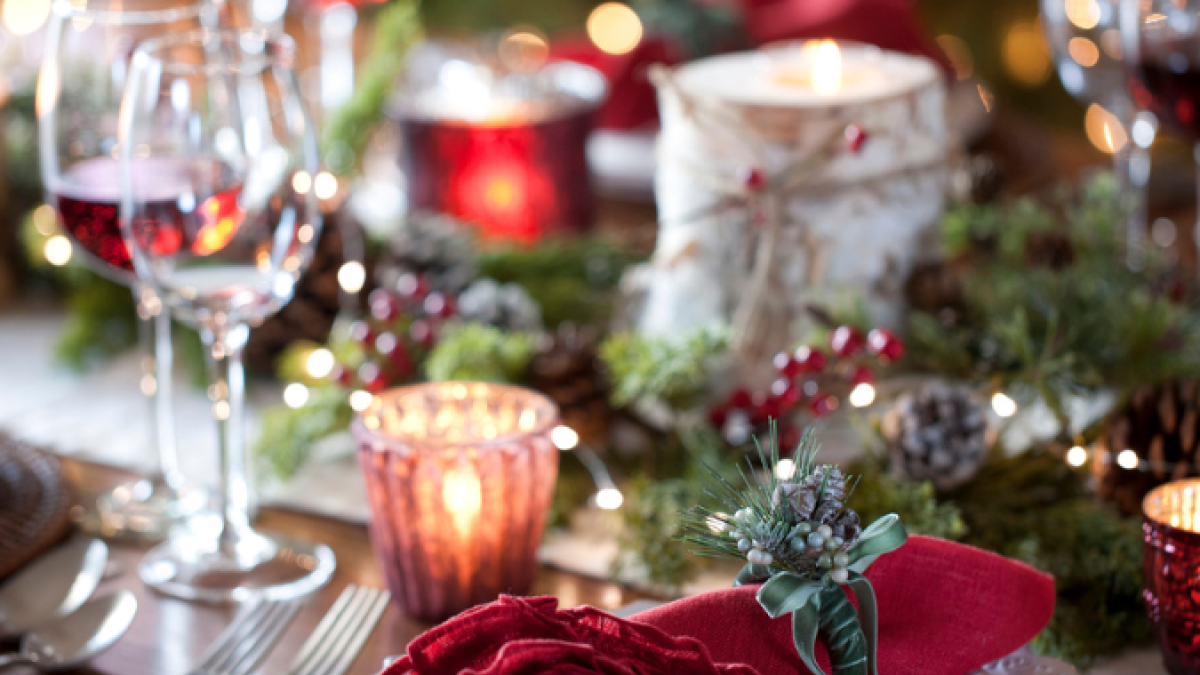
(945, 609)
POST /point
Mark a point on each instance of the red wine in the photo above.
(87, 198)
(1173, 96)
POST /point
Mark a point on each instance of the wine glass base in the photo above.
(147, 508)
(259, 567)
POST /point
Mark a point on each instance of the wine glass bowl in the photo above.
(1085, 39)
(215, 147)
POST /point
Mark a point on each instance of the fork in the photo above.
(342, 632)
(251, 635)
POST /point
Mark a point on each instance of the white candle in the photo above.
(853, 228)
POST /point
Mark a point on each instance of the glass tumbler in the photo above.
(1171, 532)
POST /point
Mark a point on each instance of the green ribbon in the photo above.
(789, 593)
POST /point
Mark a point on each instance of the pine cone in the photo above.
(939, 434)
(437, 248)
(848, 526)
(505, 306)
(567, 369)
(1160, 424)
(935, 287)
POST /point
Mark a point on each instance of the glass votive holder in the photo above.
(1171, 559)
(459, 476)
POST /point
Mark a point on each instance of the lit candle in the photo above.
(1171, 559)
(508, 153)
(853, 224)
(459, 477)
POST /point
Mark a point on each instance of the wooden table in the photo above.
(168, 636)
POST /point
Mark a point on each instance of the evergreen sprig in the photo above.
(476, 352)
(675, 370)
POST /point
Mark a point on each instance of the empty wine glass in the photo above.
(1161, 41)
(1086, 40)
(87, 50)
(213, 137)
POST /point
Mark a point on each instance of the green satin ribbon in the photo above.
(789, 593)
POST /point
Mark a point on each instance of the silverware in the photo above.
(51, 586)
(68, 642)
(244, 643)
(342, 632)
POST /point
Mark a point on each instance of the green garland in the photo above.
(480, 353)
(675, 370)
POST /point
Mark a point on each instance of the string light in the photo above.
(57, 250)
(320, 363)
(1127, 459)
(22, 17)
(361, 400)
(352, 276)
(862, 396)
(1003, 405)
(295, 395)
(614, 28)
(302, 182)
(564, 438)
(609, 499)
(325, 186)
(1077, 456)
(785, 469)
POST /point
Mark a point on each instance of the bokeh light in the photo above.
(22, 17)
(614, 28)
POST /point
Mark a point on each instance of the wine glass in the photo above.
(87, 50)
(1086, 41)
(1161, 41)
(217, 152)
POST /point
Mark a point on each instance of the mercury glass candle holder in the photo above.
(459, 476)
(1171, 532)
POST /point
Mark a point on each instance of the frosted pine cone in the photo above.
(436, 248)
(505, 306)
(938, 433)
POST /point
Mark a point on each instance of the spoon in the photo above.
(70, 641)
(52, 586)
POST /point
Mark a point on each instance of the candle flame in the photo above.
(827, 68)
(463, 498)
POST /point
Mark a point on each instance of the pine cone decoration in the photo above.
(934, 287)
(437, 248)
(1159, 424)
(567, 369)
(505, 306)
(939, 434)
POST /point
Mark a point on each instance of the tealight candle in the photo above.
(744, 157)
(1171, 559)
(459, 477)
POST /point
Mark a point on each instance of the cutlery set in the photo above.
(45, 611)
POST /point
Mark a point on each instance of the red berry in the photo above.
(785, 364)
(862, 375)
(717, 416)
(822, 405)
(411, 287)
(449, 307)
(400, 360)
(341, 375)
(740, 399)
(385, 343)
(809, 360)
(372, 377)
(421, 331)
(855, 137)
(884, 344)
(360, 332)
(846, 341)
(754, 180)
(790, 437)
(770, 409)
(787, 393)
(435, 303)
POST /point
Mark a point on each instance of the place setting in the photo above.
(385, 337)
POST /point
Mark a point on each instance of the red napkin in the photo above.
(944, 609)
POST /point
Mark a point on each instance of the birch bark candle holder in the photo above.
(459, 477)
(852, 227)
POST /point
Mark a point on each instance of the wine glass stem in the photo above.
(1131, 167)
(155, 323)
(227, 387)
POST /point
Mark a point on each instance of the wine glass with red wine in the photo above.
(1161, 41)
(217, 153)
(87, 51)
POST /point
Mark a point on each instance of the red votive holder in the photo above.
(505, 153)
(1171, 532)
(459, 476)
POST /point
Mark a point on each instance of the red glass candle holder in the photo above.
(509, 157)
(1171, 532)
(459, 476)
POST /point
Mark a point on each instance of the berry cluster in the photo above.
(401, 329)
(808, 380)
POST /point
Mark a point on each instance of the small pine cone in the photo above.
(804, 502)
(938, 433)
(437, 248)
(847, 526)
(505, 306)
(827, 513)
